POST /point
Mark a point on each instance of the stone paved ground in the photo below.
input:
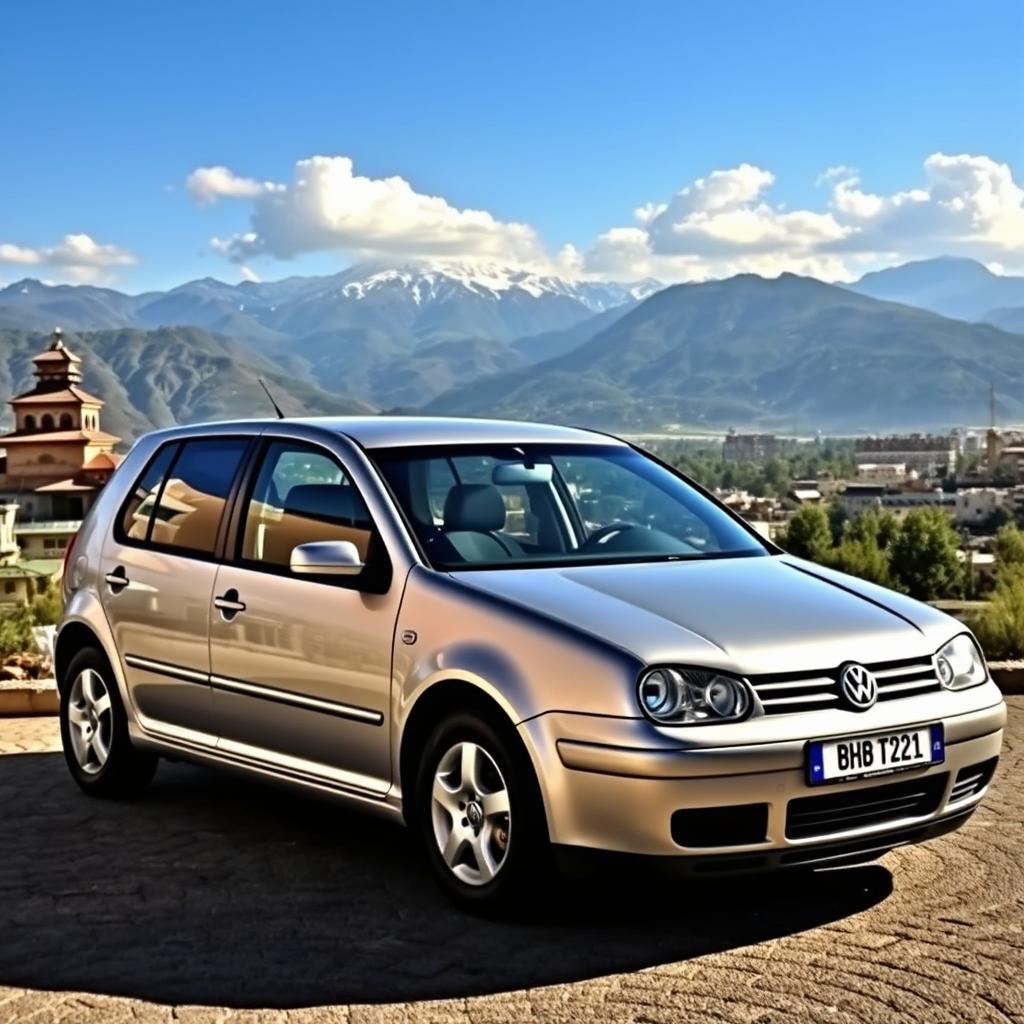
(219, 892)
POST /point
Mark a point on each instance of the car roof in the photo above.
(403, 431)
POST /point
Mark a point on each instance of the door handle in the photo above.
(117, 579)
(228, 604)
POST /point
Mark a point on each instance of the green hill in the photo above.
(789, 352)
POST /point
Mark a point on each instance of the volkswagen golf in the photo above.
(536, 646)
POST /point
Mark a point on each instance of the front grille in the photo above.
(792, 692)
(972, 780)
(811, 816)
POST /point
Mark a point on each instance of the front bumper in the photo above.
(607, 787)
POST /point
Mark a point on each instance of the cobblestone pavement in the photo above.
(213, 891)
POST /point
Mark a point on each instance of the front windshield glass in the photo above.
(486, 506)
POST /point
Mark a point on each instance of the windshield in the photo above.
(486, 506)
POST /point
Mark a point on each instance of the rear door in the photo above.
(301, 666)
(159, 566)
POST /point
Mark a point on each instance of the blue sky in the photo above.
(557, 122)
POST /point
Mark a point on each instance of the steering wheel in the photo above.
(602, 535)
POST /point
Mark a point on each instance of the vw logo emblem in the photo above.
(859, 686)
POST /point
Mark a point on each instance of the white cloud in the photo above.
(18, 254)
(208, 184)
(724, 224)
(969, 205)
(719, 225)
(830, 174)
(248, 274)
(327, 207)
(78, 256)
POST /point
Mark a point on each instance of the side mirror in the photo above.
(326, 558)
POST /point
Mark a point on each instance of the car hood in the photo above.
(749, 615)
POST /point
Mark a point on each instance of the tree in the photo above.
(1008, 546)
(808, 534)
(874, 527)
(925, 556)
(777, 476)
(862, 558)
(837, 520)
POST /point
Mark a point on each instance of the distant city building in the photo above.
(971, 443)
(883, 472)
(1012, 458)
(53, 465)
(902, 502)
(805, 493)
(21, 578)
(750, 447)
(999, 441)
(975, 505)
(927, 454)
(857, 498)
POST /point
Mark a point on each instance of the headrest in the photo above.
(325, 501)
(475, 507)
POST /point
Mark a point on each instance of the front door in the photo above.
(301, 666)
(157, 583)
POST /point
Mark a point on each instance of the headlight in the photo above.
(685, 696)
(959, 664)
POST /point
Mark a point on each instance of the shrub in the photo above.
(16, 623)
(16, 630)
(1008, 546)
(999, 626)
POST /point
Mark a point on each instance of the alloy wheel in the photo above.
(90, 721)
(470, 813)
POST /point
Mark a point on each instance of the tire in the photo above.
(495, 859)
(94, 731)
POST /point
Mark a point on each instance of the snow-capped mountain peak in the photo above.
(430, 280)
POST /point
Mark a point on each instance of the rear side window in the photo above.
(138, 510)
(191, 503)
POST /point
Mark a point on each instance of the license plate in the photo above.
(861, 757)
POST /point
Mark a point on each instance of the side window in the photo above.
(190, 506)
(301, 495)
(138, 509)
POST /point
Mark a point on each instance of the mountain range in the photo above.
(894, 350)
(781, 353)
(959, 288)
(387, 335)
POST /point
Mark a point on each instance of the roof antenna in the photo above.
(277, 408)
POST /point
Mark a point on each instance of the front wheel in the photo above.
(94, 731)
(479, 814)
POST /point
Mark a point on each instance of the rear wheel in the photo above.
(94, 731)
(479, 814)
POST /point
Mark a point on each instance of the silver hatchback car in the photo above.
(537, 646)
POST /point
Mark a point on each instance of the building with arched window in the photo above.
(53, 464)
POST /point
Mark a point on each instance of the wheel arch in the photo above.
(72, 638)
(438, 700)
